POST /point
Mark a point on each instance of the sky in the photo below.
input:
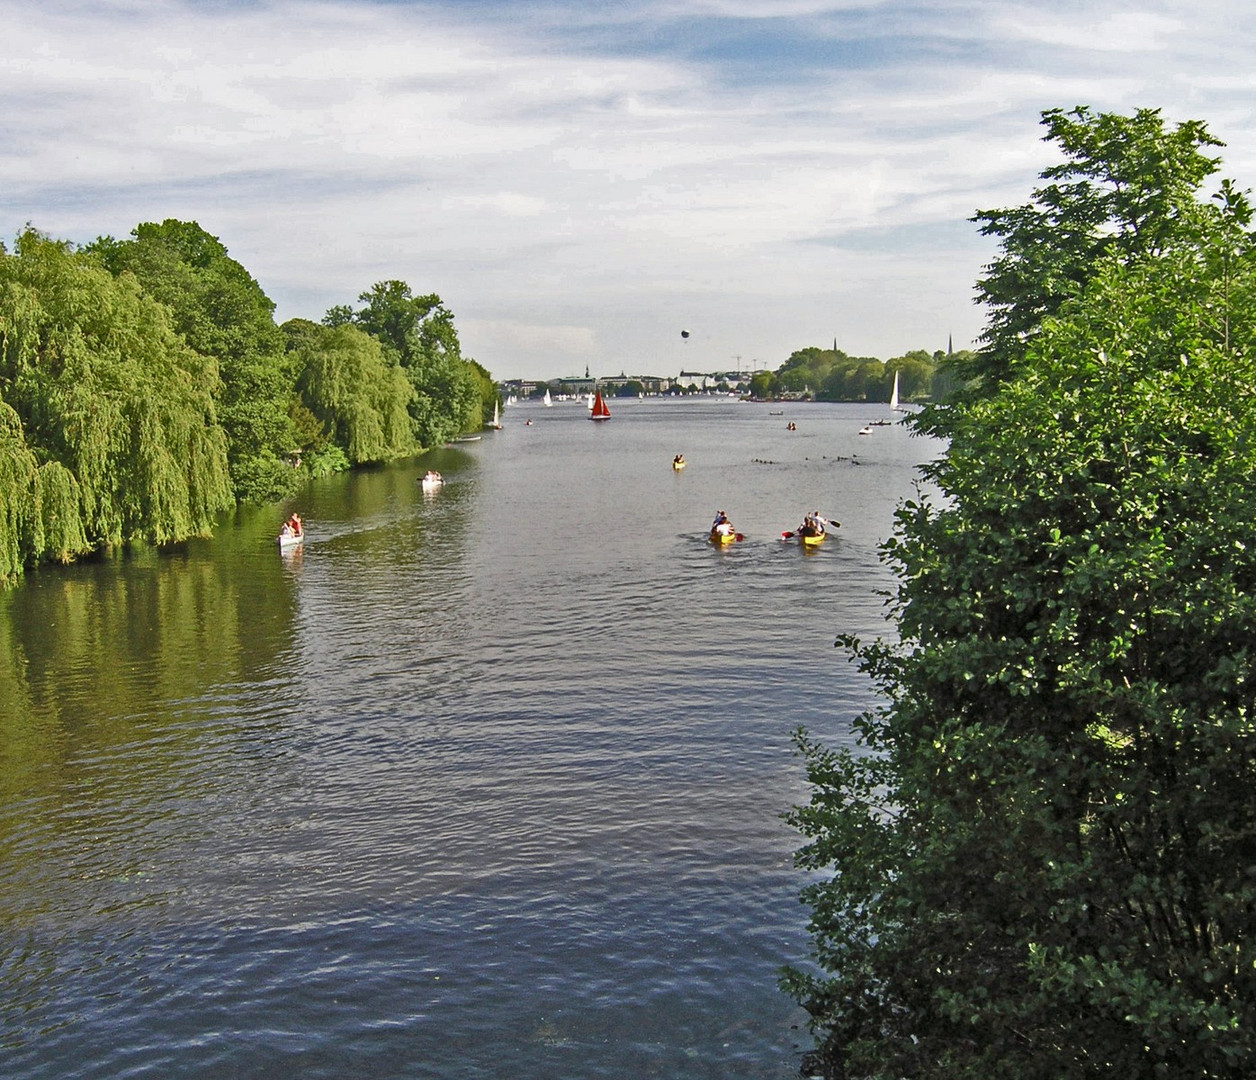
(582, 181)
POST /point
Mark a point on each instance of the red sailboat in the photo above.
(600, 411)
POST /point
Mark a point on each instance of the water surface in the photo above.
(481, 783)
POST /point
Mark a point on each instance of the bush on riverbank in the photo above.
(1041, 852)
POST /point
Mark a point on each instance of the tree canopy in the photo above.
(1127, 188)
(222, 312)
(833, 375)
(417, 333)
(357, 395)
(108, 424)
(1041, 852)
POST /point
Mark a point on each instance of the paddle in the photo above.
(830, 524)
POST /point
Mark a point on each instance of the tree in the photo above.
(108, 428)
(490, 393)
(357, 395)
(1044, 845)
(915, 371)
(222, 312)
(763, 385)
(418, 331)
(1127, 187)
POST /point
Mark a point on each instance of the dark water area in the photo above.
(486, 782)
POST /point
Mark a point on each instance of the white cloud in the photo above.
(1129, 31)
(575, 186)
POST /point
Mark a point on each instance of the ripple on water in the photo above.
(481, 784)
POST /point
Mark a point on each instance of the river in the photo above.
(486, 782)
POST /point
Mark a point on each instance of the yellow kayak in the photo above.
(721, 538)
(812, 533)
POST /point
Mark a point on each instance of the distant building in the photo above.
(732, 381)
(521, 388)
(574, 386)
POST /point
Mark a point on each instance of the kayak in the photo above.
(290, 541)
(811, 534)
(718, 537)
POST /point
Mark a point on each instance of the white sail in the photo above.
(547, 399)
(894, 393)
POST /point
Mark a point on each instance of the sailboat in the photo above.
(600, 411)
(497, 417)
(894, 395)
(547, 401)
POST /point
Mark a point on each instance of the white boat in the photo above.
(432, 481)
(894, 395)
(547, 402)
(292, 533)
(497, 418)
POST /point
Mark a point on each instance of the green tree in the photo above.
(109, 427)
(1044, 844)
(222, 312)
(358, 396)
(490, 392)
(948, 378)
(833, 375)
(418, 331)
(1127, 187)
(915, 371)
(19, 526)
(763, 385)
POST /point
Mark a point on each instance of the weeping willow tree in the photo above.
(17, 485)
(110, 434)
(222, 312)
(356, 393)
(418, 332)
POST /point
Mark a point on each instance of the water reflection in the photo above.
(93, 655)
